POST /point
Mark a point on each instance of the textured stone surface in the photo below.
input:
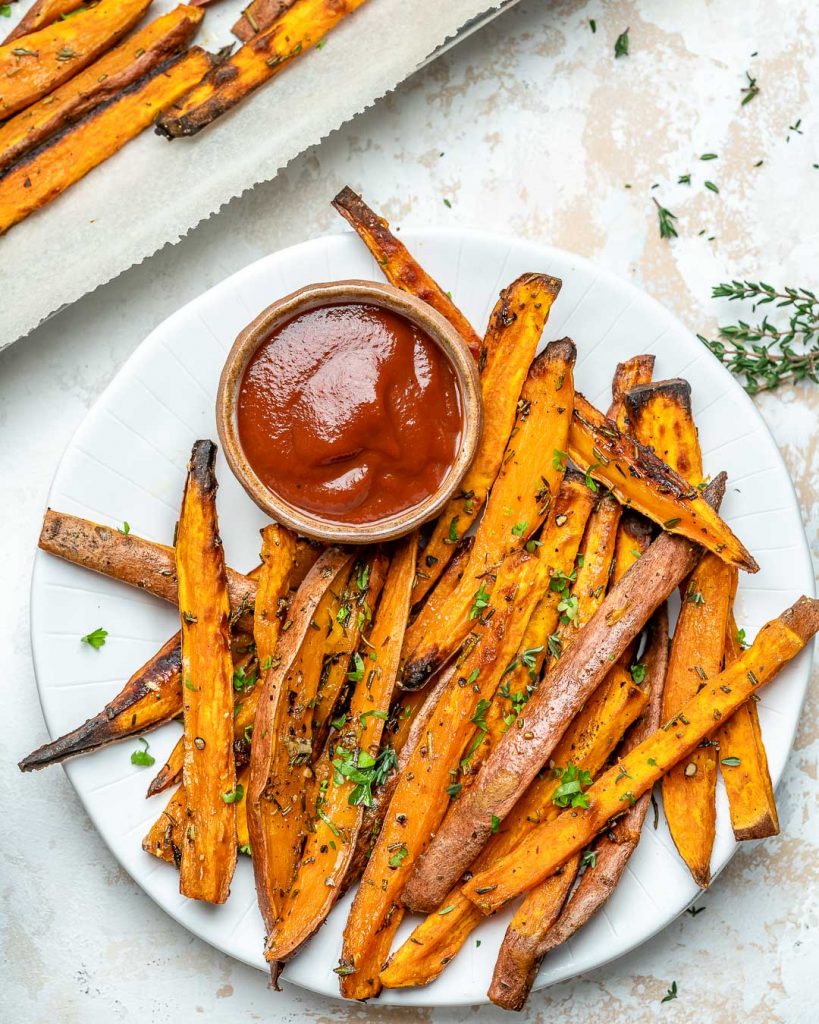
(532, 128)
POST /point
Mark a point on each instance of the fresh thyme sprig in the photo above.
(766, 354)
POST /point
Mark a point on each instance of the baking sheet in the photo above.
(153, 191)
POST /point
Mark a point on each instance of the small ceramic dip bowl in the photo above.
(320, 417)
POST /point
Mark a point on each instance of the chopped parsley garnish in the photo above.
(356, 674)
(559, 460)
(519, 529)
(362, 770)
(96, 639)
(570, 792)
(481, 602)
(242, 681)
(398, 857)
(234, 796)
(142, 757)
(638, 673)
(495, 824)
(589, 859)
(125, 529)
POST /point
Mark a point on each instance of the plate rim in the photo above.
(418, 235)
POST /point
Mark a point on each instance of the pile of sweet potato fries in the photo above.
(76, 87)
(471, 717)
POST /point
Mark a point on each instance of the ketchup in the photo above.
(350, 412)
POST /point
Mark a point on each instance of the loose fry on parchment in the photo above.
(40, 14)
(420, 800)
(512, 337)
(295, 32)
(209, 773)
(639, 479)
(346, 772)
(546, 848)
(521, 496)
(111, 74)
(744, 764)
(696, 656)
(35, 64)
(522, 752)
(398, 265)
(521, 953)
(47, 173)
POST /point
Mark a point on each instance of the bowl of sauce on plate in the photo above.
(349, 411)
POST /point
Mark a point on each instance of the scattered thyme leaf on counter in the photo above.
(592, 24)
(767, 354)
(666, 221)
(95, 639)
(621, 45)
(670, 994)
(684, 179)
(711, 186)
(750, 90)
(693, 911)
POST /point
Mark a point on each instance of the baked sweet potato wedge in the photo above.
(37, 63)
(294, 32)
(660, 416)
(40, 14)
(744, 763)
(140, 563)
(46, 173)
(151, 697)
(696, 656)
(399, 267)
(536, 927)
(639, 479)
(521, 496)
(547, 847)
(275, 850)
(209, 773)
(627, 375)
(347, 771)
(117, 70)
(512, 337)
(420, 798)
(522, 752)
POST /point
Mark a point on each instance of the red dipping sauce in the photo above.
(350, 412)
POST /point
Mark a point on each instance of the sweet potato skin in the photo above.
(297, 30)
(638, 478)
(398, 265)
(116, 70)
(521, 496)
(140, 563)
(331, 843)
(547, 847)
(46, 173)
(512, 337)
(522, 752)
(258, 16)
(209, 772)
(37, 63)
(40, 14)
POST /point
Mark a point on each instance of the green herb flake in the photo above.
(356, 674)
(670, 994)
(569, 793)
(234, 796)
(495, 824)
(589, 859)
(480, 602)
(398, 857)
(731, 762)
(95, 639)
(142, 757)
(125, 529)
(638, 673)
(666, 220)
(621, 45)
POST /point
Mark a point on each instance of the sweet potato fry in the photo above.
(209, 773)
(548, 846)
(641, 480)
(48, 172)
(166, 836)
(40, 14)
(521, 952)
(696, 656)
(520, 500)
(523, 752)
(274, 765)
(744, 764)
(35, 64)
(512, 337)
(628, 374)
(117, 70)
(151, 697)
(659, 416)
(399, 267)
(419, 800)
(345, 774)
(140, 563)
(295, 32)
(258, 16)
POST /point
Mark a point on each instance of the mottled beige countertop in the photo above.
(532, 128)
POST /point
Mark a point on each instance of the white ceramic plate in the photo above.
(127, 462)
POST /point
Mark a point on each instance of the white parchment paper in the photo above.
(153, 191)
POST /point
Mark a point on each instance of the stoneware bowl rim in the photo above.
(326, 293)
